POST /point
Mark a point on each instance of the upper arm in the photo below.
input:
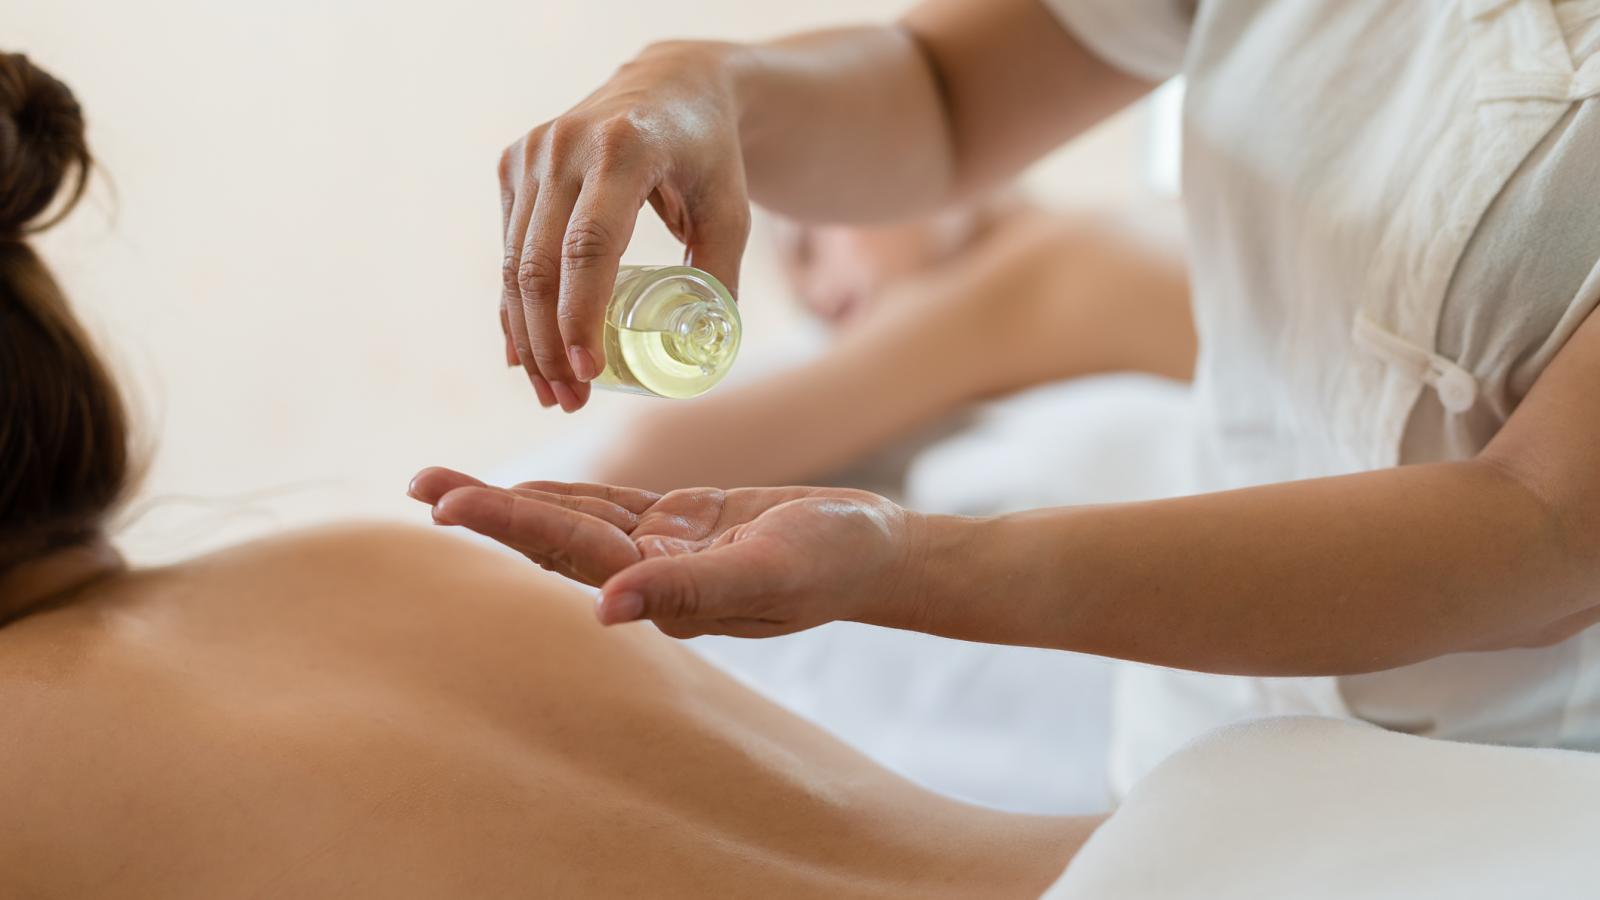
(1014, 81)
(1552, 443)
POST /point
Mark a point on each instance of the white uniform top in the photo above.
(1394, 210)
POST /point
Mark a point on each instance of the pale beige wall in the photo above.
(294, 258)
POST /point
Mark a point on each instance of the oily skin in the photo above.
(381, 711)
(777, 545)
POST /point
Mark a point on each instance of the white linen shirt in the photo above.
(1394, 214)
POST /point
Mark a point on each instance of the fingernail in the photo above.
(411, 490)
(439, 518)
(622, 608)
(582, 363)
(541, 388)
(564, 394)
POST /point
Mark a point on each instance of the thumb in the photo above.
(717, 239)
(722, 582)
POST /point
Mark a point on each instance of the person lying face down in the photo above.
(927, 319)
(377, 711)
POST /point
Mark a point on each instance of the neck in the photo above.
(52, 578)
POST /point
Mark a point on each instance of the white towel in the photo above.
(1319, 808)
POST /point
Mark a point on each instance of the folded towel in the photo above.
(1316, 808)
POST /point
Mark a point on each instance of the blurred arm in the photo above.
(1044, 297)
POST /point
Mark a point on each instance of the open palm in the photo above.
(751, 561)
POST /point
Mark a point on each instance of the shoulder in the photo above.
(363, 551)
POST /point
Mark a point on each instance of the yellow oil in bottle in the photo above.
(670, 331)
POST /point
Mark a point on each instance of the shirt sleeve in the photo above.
(1145, 38)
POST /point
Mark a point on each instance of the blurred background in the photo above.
(292, 248)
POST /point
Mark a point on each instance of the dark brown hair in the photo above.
(63, 428)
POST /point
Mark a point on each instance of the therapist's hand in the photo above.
(752, 562)
(664, 129)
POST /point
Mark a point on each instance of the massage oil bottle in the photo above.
(670, 331)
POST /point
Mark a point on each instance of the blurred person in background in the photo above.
(928, 318)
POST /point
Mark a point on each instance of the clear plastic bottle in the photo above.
(670, 331)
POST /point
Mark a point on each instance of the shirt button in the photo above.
(1458, 390)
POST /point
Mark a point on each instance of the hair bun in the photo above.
(42, 146)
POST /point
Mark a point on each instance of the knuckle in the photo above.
(537, 277)
(740, 220)
(616, 140)
(508, 162)
(586, 243)
(562, 136)
(530, 150)
(670, 47)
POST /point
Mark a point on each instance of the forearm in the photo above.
(1340, 575)
(887, 122)
(842, 125)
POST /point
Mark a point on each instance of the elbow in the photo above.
(1564, 540)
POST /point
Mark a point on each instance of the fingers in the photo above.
(599, 230)
(653, 545)
(610, 513)
(517, 353)
(579, 546)
(508, 197)
(718, 233)
(505, 329)
(565, 247)
(739, 628)
(518, 193)
(727, 582)
(571, 193)
(435, 481)
(631, 499)
(432, 483)
(539, 287)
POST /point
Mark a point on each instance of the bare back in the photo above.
(388, 712)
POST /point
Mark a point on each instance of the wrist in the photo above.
(940, 554)
(747, 75)
(709, 72)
